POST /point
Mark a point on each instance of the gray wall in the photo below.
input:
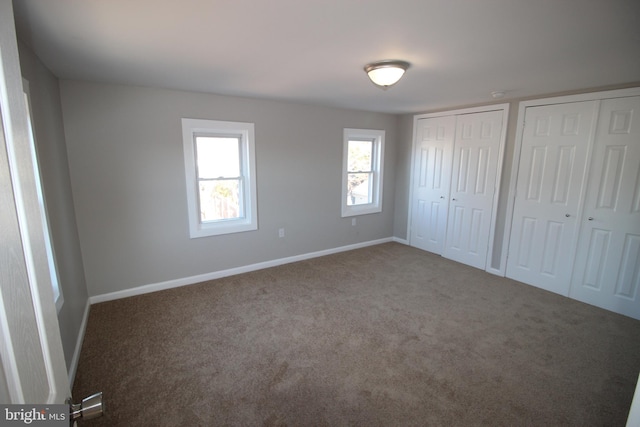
(52, 158)
(127, 171)
(403, 175)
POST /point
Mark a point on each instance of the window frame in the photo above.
(377, 171)
(192, 128)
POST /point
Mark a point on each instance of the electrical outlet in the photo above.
(281, 233)
(353, 221)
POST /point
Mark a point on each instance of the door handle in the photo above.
(442, 197)
(454, 199)
(90, 407)
(590, 218)
(567, 215)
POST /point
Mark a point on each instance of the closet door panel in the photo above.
(432, 178)
(607, 267)
(473, 186)
(550, 183)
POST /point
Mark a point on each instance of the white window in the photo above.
(220, 169)
(363, 160)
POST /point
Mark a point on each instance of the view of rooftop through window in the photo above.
(360, 171)
(219, 177)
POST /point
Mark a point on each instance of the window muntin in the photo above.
(220, 174)
(362, 171)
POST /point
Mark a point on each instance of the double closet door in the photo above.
(576, 220)
(455, 173)
(551, 175)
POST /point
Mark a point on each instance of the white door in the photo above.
(30, 345)
(433, 152)
(607, 267)
(473, 186)
(550, 183)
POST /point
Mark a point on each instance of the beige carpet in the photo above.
(383, 336)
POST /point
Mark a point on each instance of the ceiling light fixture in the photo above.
(386, 73)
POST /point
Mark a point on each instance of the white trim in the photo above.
(470, 110)
(73, 368)
(399, 240)
(503, 139)
(634, 411)
(377, 136)
(8, 359)
(49, 249)
(591, 96)
(515, 161)
(497, 271)
(145, 289)
(246, 131)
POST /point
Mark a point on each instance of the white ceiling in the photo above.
(313, 51)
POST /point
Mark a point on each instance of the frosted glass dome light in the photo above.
(386, 73)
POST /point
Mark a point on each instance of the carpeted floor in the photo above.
(382, 336)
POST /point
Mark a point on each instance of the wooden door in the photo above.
(607, 267)
(473, 187)
(433, 152)
(549, 188)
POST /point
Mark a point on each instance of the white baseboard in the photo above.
(145, 289)
(399, 240)
(496, 271)
(634, 412)
(76, 353)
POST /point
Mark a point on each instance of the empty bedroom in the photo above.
(337, 213)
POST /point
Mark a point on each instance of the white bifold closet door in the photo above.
(550, 183)
(432, 176)
(456, 164)
(473, 187)
(607, 264)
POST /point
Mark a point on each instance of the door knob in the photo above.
(567, 215)
(590, 218)
(91, 407)
(442, 197)
(454, 199)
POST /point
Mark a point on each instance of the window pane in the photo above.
(360, 153)
(218, 157)
(219, 200)
(358, 189)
